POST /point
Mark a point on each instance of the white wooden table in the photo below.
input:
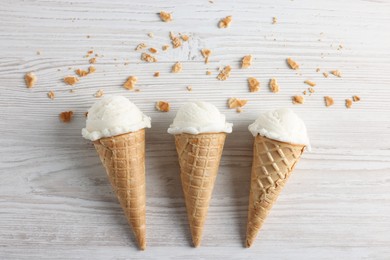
(55, 199)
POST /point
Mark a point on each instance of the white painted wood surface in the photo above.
(55, 200)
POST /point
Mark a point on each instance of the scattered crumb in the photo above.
(273, 85)
(130, 82)
(147, 57)
(311, 90)
(206, 54)
(71, 80)
(189, 88)
(90, 52)
(254, 84)
(156, 74)
(355, 98)
(81, 73)
(86, 114)
(176, 42)
(51, 95)
(165, 47)
(225, 73)
(298, 99)
(92, 60)
(318, 70)
(337, 73)
(152, 50)
(208, 72)
(177, 67)
(30, 79)
(292, 64)
(310, 83)
(99, 93)
(165, 17)
(140, 46)
(328, 101)
(162, 106)
(246, 62)
(151, 35)
(38, 52)
(239, 110)
(185, 37)
(225, 22)
(91, 69)
(66, 116)
(172, 35)
(274, 20)
(304, 92)
(235, 102)
(137, 90)
(325, 74)
(348, 103)
(72, 91)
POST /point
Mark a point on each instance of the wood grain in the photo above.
(55, 200)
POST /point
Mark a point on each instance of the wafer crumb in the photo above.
(310, 83)
(177, 67)
(311, 90)
(176, 42)
(130, 82)
(239, 110)
(91, 69)
(298, 99)
(189, 88)
(99, 93)
(273, 85)
(165, 17)
(235, 102)
(208, 72)
(304, 92)
(225, 73)
(326, 74)
(206, 54)
(337, 73)
(51, 95)
(225, 22)
(318, 70)
(141, 46)
(274, 20)
(348, 103)
(152, 50)
(90, 52)
(156, 74)
(355, 98)
(92, 60)
(81, 73)
(30, 79)
(254, 84)
(165, 47)
(162, 106)
(151, 35)
(147, 57)
(71, 80)
(185, 37)
(246, 62)
(66, 116)
(328, 101)
(293, 65)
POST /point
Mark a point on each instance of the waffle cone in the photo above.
(123, 156)
(199, 158)
(273, 162)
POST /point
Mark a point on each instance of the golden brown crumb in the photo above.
(66, 116)
(225, 73)
(348, 103)
(318, 70)
(141, 46)
(152, 50)
(165, 17)
(206, 54)
(298, 99)
(147, 57)
(292, 64)
(91, 69)
(208, 72)
(130, 82)
(81, 73)
(156, 74)
(172, 35)
(355, 98)
(99, 93)
(185, 37)
(151, 35)
(225, 22)
(274, 20)
(325, 74)
(92, 60)
(165, 47)
(235, 102)
(162, 106)
(310, 83)
(176, 68)
(189, 88)
(246, 62)
(328, 101)
(176, 42)
(311, 90)
(30, 79)
(273, 85)
(254, 84)
(239, 110)
(304, 92)
(71, 80)
(51, 95)
(337, 73)
(90, 52)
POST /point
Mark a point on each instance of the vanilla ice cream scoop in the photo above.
(281, 125)
(199, 117)
(113, 115)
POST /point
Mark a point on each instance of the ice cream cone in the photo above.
(273, 162)
(123, 156)
(199, 158)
